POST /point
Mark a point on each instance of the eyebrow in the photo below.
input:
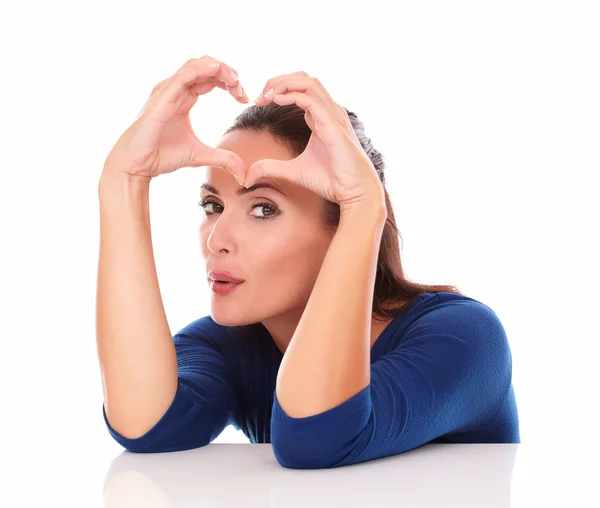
(242, 190)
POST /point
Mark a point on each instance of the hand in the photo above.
(334, 164)
(161, 139)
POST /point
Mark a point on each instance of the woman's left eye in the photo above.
(268, 206)
(274, 210)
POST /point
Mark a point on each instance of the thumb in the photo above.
(225, 159)
(268, 168)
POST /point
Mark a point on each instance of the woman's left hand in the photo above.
(334, 164)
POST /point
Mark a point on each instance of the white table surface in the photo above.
(433, 475)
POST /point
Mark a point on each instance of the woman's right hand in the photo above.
(161, 139)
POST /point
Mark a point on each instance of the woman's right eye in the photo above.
(202, 203)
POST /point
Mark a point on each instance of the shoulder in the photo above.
(437, 315)
(463, 313)
(453, 310)
(457, 342)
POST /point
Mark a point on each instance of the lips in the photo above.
(221, 276)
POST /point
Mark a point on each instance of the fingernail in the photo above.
(268, 94)
(239, 90)
(257, 100)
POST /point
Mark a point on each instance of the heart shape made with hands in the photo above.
(333, 164)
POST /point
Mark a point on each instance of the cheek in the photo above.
(270, 254)
(294, 262)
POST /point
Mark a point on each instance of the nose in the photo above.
(220, 237)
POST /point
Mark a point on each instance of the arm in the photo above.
(449, 372)
(328, 359)
(135, 349)
(333, 333)
(160, 393)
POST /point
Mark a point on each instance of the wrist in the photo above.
(113, 175)
(362, 223)
(116, 185)
(371, 212)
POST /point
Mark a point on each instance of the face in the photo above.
(275, 242)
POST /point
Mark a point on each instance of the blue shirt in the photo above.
(441, 372)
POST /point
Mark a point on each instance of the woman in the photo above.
(317, 343)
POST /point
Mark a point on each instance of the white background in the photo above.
(487, 115)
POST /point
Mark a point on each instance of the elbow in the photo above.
(300, 453)
(164, 444)
(158, 448)
(300, 461)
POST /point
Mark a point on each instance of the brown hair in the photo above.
(393, 291)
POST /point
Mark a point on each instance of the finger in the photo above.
(166, 96)
(198, 89)
(271, 83)
(218, 75)
(231, 70)
(189, 74)
(312, 105)
(236, 90)
(297, 82)
(238, 93)
(306, 85)
(312, 87)
(195, 70)
(207, 86)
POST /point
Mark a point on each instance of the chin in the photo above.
(224, 319)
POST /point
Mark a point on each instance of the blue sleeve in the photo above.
(452, 368)
(204, 404)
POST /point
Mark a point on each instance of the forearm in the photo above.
(328, 358)
(135, 348)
